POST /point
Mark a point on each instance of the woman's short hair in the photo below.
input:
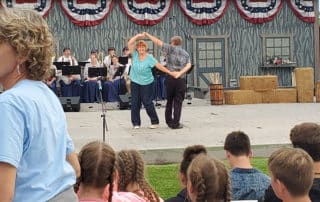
(28, 34)
(142, 43)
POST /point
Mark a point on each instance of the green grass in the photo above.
(165, 178)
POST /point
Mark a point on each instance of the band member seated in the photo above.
(90, 91)
(115, 84)
(70, 84)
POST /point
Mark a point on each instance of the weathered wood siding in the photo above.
(244, 48)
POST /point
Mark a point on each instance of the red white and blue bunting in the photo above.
(41, 6)
(146, 12)
(258, 11)
(304, 10)
(203, 12)
(87, 12)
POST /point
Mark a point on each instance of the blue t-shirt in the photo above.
(248, 184)
(141, 71)
(35, 140)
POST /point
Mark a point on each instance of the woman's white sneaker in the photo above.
(154, 126)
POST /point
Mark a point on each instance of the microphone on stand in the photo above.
(99, 85)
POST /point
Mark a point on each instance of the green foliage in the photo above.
(165, 178)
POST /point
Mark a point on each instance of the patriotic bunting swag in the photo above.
(151, 12)
(146, 12)
(87, 12)
(258, 11)
(303, 9)
(203, 12)
(41, 6)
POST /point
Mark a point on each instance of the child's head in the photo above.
(307, 137)
(188, 155)
(131, 170)
(208, 180)
(97, 161)
(238, 144)
(291, 169)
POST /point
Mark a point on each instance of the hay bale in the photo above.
(236, 97)
(280, 95)
(286, 95)
(305, 95)
(269, 96)
(258, 83)
(304, 77)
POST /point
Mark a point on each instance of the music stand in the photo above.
(187, 96)
(97, 71)
(123, 60)
(100, 72)
(83, 63)
(59, 65)
(71, 70)
(119, 72)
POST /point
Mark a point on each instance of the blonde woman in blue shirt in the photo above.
(36, 151)
(142, 81)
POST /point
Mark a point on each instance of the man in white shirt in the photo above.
(70, 84)
(107, 59)
(66, 57)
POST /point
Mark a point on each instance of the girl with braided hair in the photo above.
(208, 180)
(131, 176)
(97, 162)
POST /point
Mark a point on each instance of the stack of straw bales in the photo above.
(260, 89)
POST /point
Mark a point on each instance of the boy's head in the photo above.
(307, 137)
(291, 171)
(237, 143)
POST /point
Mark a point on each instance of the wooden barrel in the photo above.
(318, 91)
(216, 94)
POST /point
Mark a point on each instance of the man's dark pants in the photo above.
(176, 89)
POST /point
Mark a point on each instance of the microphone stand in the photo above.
(103, 110)
(188, 37)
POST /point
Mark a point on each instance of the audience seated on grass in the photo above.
(307, 137)
(98, 174)
(291, 171)
(188, 155)
(247, 183)
(131, 176)
(208, 180)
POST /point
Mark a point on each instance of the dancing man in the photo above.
(178, 60)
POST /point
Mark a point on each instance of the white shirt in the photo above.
(72, 60)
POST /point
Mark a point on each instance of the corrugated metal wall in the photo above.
(244, 48)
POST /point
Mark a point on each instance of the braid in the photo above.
(126, 169)
(209, 179)
(200, 186)
(131, 170)
(144, 185)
